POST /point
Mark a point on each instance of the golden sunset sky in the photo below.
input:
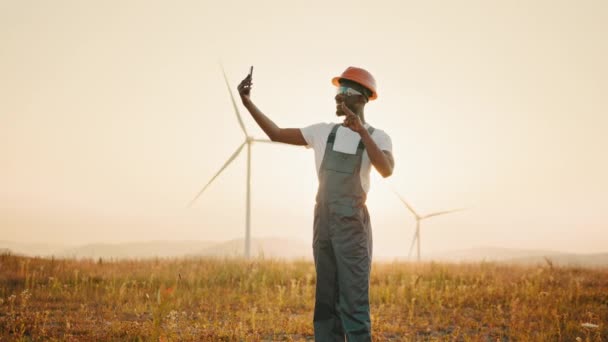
(113, 115)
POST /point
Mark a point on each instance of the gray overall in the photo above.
(342, 248)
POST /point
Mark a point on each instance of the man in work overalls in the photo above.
(342, 236)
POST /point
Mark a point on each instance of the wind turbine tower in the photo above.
(416, 238)
(249, 140)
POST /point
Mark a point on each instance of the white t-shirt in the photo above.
(346, 142)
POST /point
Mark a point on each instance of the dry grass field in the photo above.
(270, 300)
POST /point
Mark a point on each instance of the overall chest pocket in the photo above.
(342, 162)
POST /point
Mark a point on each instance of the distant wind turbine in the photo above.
(249, 140)
(419, 218)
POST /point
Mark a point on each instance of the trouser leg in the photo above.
(327, 323)
(353, 261)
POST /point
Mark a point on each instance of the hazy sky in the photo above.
(113, 115)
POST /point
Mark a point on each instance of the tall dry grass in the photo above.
(271, 300)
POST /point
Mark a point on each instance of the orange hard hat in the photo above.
(358, 75)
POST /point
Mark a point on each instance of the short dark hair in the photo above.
(358, 87)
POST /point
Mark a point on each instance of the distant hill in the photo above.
(262, 247)
(487, 254)
(137, 250)
(582, 260)
(32, 249)
(521, 256)
(282, 248)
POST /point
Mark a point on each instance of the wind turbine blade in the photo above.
(232, 157)
(409, 254)
(409, 207)
(236, 108)
(267, 141)
(441, 213)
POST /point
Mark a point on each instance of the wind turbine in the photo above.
(419, 218)
(249, 140)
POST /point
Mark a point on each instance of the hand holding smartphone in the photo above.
(245, 85)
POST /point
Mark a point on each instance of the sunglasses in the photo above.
(347, 91)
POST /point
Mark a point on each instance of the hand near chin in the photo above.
(351, 120)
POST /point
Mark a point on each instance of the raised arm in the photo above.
(291, 136)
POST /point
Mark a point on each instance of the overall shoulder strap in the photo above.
(332, 135)
(361, 146)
